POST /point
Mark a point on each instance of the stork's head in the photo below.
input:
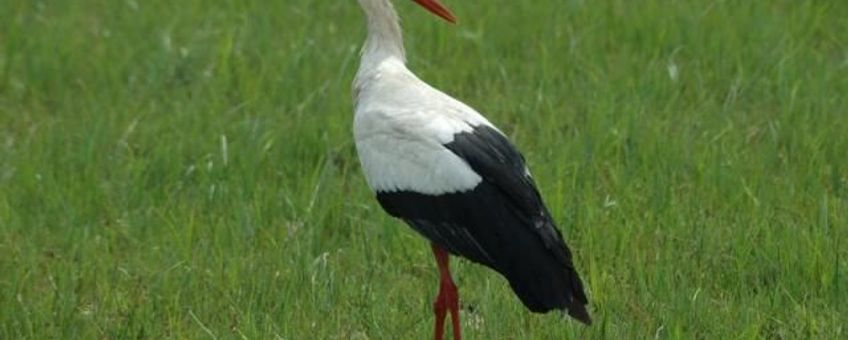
(437, 8)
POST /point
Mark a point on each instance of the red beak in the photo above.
(436, 8)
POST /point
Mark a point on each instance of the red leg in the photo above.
(448, 298)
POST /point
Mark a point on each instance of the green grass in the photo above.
(184, 169)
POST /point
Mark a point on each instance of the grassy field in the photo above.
(185, 169)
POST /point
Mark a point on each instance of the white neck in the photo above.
(384, 35)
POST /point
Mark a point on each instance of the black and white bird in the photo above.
(456, 179)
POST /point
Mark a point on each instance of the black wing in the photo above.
(494, 158)
(501, 223)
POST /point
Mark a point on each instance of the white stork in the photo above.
(450, 174)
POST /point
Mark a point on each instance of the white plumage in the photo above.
(400, 128)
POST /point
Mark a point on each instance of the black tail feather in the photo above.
(548, 286)
(579, 313)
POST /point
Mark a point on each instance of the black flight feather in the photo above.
(501, 223)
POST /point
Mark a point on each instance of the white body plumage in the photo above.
(401, 125)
